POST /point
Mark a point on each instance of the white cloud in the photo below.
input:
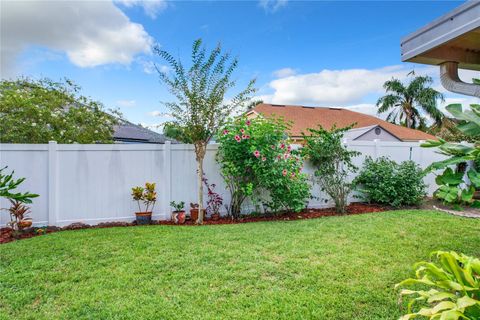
(272, 5)
(151, 7)
(126, 103)
(285, 72)
(335, 87)
(156, 113)
(91, 33)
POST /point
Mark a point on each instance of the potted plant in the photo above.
(147, 196)
(178, 215)
(214, 201)
(18, 212)
(194, 211)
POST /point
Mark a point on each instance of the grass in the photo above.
(329, 268)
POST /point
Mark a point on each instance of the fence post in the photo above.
(421, 153)
(377, 147)
(167, 179)
(52, 183)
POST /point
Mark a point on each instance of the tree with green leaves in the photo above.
(409, 103)
(333, 162)
(202, 106)
(37, 111)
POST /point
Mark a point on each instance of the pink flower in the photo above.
(237, 137)
(279, 157)
(284, 172)
(282, 146)
(273, 147)
(293, 174)
(289, 148)
(248, 122)
(242, 131)
(225, 131)
(264, 159)
(244, 136)
(285, 156)
(247, 137)
(256, 153)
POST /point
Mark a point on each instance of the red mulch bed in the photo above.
(7, 235)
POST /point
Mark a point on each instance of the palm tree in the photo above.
(409, 104)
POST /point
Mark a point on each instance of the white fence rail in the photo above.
(91, 183)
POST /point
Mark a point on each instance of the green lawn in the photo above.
(329, 268)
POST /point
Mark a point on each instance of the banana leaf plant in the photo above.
(458, 152)
(448, 287)
(453, 188)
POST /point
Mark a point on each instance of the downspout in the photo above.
(451, 81)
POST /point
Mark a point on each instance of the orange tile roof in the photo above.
(311, 117)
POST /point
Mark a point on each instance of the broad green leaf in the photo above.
(465, 302)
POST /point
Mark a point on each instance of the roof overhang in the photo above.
(454, 37)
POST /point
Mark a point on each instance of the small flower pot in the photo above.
(143, 217)
(178, 217)
(194, 214)
(22, 224)
(215, 216)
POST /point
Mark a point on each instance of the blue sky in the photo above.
(317, 53)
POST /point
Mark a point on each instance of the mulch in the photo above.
(7, 234)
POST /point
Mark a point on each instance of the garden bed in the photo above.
(7, 235)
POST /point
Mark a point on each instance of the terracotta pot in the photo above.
(143, 217)
(215, 216)
(24, 224)
(476, 195)
(178, 217)
(194, 214)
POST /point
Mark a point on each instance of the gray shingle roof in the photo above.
(133, 133)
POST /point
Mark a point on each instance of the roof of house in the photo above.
(453, 37)
(311, 117)
(129, 132)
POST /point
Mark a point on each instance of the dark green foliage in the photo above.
(37, 111)
(332, 161)
(8, 184)
(384, 181)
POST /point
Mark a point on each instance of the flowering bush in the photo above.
(257, 161)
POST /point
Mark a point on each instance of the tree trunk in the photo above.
(200, 155)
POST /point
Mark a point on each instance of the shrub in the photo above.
(333, 163)
(257, 161)
(384, 181)
(452, 288)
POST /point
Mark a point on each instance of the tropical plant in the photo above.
(37, 111)
(385, 181)
(450, 190)
(332, 161)
(257, 161)
(451, 288)
(146, 195)
(177, 206)
(8, 184)
(215, 200)
(18, 213)
(406, 103)
(201, 108)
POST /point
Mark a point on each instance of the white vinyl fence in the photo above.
(91, 183)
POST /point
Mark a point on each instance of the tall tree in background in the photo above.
(37, 111)
(408, 103)
(201, 107)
